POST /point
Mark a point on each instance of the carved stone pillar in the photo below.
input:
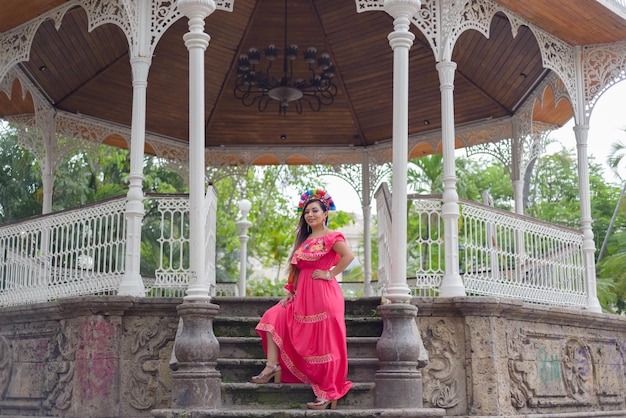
(196, 382)
(398, 381)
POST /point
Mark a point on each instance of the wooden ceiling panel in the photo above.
(18, 12)
(575, 22)
(90, 73)
(18, 104)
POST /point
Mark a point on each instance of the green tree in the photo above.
(84, 177)
(611, 265)
(20, 180)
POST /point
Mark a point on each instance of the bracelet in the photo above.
(328, 275)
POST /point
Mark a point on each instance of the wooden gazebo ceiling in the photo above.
(89, 72)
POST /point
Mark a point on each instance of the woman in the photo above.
(304, 336)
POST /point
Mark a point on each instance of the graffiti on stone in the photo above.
(578, 370)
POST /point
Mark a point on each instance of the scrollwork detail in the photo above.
(578, 370)
(57, 385)
(147, 343)
(6, 364)
(442, 348)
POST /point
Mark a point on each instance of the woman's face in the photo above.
(314, 214)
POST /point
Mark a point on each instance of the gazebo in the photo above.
(220, 83)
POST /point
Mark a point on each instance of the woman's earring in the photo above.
(308, 228)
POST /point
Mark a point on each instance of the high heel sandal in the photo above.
(275, 373)
(321, 403)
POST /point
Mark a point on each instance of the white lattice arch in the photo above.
(604, 65)
(443, 21)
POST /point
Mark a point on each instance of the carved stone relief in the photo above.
(556, 369)
(59, 373)
(6, 363)
(442, 387)
(149, 342)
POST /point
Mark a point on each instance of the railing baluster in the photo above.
(506, 255)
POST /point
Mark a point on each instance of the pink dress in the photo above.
(310, 332)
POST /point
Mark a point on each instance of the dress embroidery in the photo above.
(311, 250)
(326, 358)
(309, 319)
(310, 332)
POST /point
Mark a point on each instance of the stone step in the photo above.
(240, 370)
(243, 326)
(256, 306)
(251, 347)
(289, 396)
(301, 413)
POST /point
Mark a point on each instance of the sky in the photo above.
(607, 126)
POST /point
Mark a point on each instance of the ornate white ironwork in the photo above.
(430, 248)
(81, 251)
(514, 256)
(367, 5)
(383, 210)
(210, 215)
(502, 253)
(441, 21)
(603, 66)
(75, 252)
(617, 6)
(172, 273)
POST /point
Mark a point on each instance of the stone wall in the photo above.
(87, 357)
(493, 357)
(108, 357)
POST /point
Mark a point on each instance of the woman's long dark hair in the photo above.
(303, 232)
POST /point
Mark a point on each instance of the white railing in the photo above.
(82, 251)
(501, 254)
(520, 257)
(75, 252)
(172, 216)
(383, 209)
(428, 246)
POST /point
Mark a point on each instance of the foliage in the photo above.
(91, 175)
(612, 281)
(612, 268)
(272, 192)
(84, 177)
(266, 287)
(20, 180)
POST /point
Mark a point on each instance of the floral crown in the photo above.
(316, 194)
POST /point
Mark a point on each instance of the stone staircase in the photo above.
(241, 356)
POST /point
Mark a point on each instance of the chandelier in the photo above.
(259, 85)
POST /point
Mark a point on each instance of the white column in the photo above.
(589, 247)
(367, 223)
(197, 41)
(451, 284)
(132, 284)
(581, 130)
(401, 40)
(518, 193)
(48, 167)
(47, 179)
(243, 224)
(516, 175)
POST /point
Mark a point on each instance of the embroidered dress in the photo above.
(310, 332)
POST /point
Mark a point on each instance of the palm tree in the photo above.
(614, 160)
